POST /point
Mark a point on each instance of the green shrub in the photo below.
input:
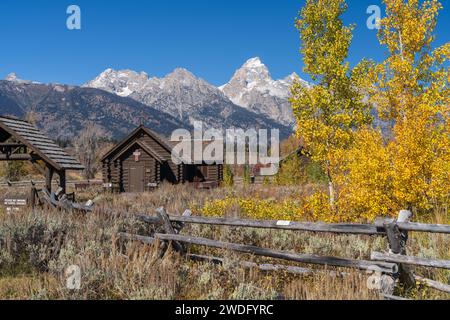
(228, 176)
(13, 170)
(246, 176)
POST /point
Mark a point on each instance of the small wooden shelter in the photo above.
(143, 160)
(21, 141)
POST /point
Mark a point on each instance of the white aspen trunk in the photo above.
(331, 193)
(401, 44)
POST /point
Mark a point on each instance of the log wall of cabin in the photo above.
(106, 172)
(193, 172)
(220, 173)
(154, 145)
(215, 173)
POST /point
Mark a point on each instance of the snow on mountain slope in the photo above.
(13, 77)
(122, 83)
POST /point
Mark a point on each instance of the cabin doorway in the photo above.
(136, 178)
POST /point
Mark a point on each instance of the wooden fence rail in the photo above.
(72, 183)
(433, 284)
(416, 261)
(417, 227)
(283, 255)
(346, 228)
(263, 267)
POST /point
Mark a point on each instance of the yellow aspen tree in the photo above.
(413, 94)
(366, 183)
(328, 112)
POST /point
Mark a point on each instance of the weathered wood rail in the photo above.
(416, 261)
(395, 264)
(58, 200)
(346, 228)
(417, 227)
(284, 255)
(41, 183)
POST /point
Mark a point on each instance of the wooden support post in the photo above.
(397, 242)
(178, 226)
(48, 178)
(62, 181)
(388, 286)
(33, 194)
(168, 228)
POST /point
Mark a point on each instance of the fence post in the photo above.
(168, 228)
(33, 197)
(178, 226)
(397, 242)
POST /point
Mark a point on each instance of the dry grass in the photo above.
(36, 248)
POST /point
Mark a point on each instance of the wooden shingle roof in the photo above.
(39, 143)
(144, 146)
(131, 139)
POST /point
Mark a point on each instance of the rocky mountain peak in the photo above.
(253, 72)
(180, 73)
(293, 77)
(182, 76)
(253, 63)
(252, 87)
(120, 82)
(13, 77)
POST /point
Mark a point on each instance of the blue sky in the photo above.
(211, 38)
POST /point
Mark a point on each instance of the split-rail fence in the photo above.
(392, 267)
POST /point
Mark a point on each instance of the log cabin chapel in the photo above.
(143, 160)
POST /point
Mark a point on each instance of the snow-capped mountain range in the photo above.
(187, 97)
(119, 100)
